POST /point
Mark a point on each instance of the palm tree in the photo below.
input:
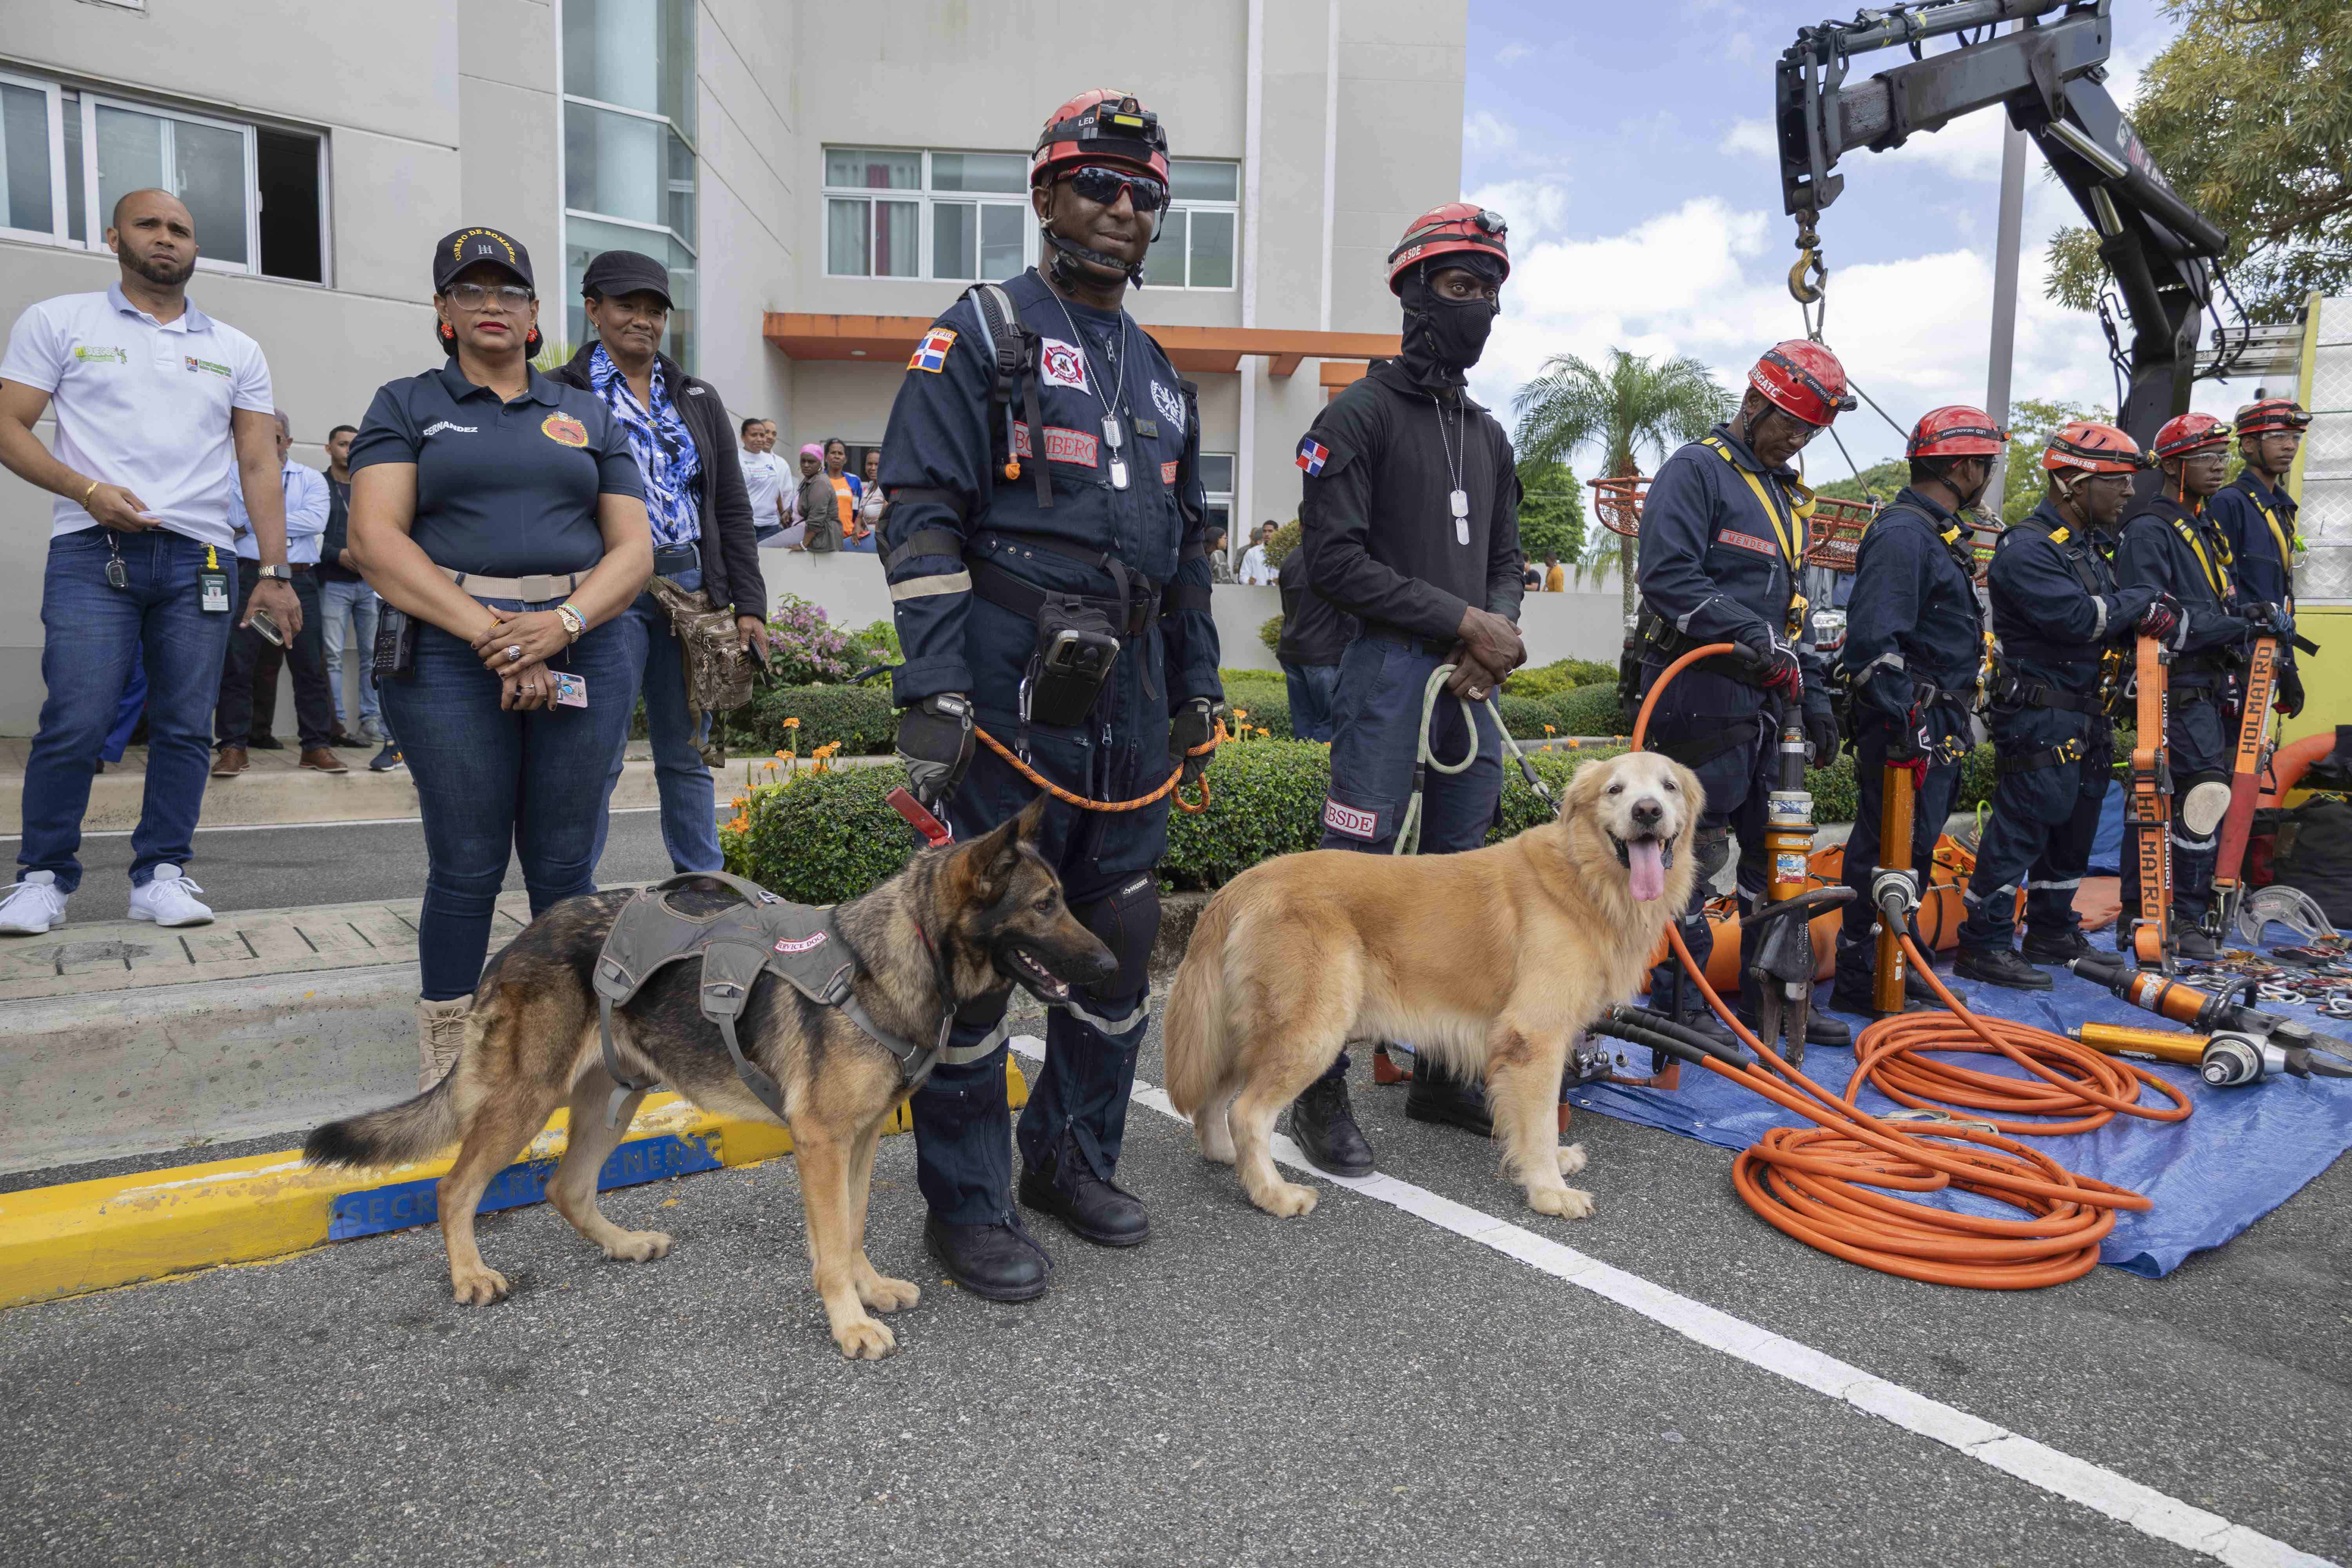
(1635, 404)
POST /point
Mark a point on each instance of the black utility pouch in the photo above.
(1076, 646)
(395, 656)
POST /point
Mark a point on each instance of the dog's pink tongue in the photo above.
(1648, 869)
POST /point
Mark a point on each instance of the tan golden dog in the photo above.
(1489, 961)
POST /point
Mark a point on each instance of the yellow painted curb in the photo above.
(118, 1230)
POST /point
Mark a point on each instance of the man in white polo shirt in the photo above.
(765, 479)
(160, 409)
(249, 674)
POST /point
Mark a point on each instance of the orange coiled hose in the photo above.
(1833, 1185)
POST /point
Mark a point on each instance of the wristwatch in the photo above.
(283, 574)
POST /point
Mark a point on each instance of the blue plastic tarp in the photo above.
(2240, 1154)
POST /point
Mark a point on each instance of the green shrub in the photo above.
(1589, 710)
(1265, 701)
(1560, 675)
(823, 837)
(1270, 634)
(1832, 790)
(1265, 798)
(860, 717)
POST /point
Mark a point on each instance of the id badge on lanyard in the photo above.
(212, 585)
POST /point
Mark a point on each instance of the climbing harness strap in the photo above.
(1790, 532)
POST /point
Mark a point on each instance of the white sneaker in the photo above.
(33, 906)
(166, 901)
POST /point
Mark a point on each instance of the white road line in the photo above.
(2144, 1508)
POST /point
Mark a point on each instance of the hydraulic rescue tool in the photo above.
(2276, 1044)
(1894, 864)
(2225, 1059)
(1783, 972)
(2245, 785)
(1840, 1185)
(2147, 815)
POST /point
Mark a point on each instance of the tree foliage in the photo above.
(2032, 423)
(1879, 482)
(1636, 406)
(2249, 114)
(1551, 511)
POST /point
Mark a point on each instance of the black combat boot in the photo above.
(1999, 966)
(2190, 940)
(1437, 1096)
(1096, 1210)
(1820, 1028)
(998, 1261)
(2059, 947)
(1323, 1125)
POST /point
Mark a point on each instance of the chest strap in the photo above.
(2039, 694)
(2188, 532)
(2048, 757)
(1790, 531)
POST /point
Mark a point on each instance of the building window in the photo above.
(1217, 481)
(629, 175)
(257, 194)
(949, 215)
(1196, 245)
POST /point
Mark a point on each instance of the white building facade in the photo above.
(821, 178)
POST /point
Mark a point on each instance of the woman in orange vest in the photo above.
(848, 495)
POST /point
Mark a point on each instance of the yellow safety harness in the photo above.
(2220, 586)
(1789, 528)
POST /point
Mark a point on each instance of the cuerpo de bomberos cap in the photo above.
(460, 250)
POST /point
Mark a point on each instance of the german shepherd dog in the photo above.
(994, 907)
(1488, 959)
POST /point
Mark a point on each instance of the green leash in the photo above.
(1407, 839)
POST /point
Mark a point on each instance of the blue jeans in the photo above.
(1313, 688)
(491, 784)
(92, 633)
(353, 603)
(127, 711)
(690, 797)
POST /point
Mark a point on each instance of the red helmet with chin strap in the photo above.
(1442, 231)
(1100, 124)
(2092, 448)
(1956, 430)
(2187, 434)
(1804, 379)
(2271, 415)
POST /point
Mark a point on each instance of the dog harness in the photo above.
(736, 943)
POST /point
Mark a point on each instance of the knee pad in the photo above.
(1126, 920)
(2205, 803)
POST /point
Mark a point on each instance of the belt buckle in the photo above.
(536, 587)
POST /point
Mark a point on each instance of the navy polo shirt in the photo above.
(503, 490)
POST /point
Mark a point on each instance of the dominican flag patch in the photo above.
(931, 353)
(1312, 455)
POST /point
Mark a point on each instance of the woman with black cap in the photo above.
(700, 511)
(502, 514)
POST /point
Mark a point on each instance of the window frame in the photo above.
(924, 197)
(64, 182)
(1210, 500)
(1188, 205)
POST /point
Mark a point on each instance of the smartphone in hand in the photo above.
(263, 621)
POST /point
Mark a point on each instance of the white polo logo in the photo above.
(1171, 406)
(440, 424)
(1347, 819)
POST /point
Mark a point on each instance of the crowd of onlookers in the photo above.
(848, 506)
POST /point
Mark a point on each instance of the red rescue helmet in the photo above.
(2187, 434)
(2092, 448)
(1441, 231)
(1100, 124)
(2271, 415)
(1803, 378)
(1956, 430)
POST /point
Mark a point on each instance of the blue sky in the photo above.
(1629, 147)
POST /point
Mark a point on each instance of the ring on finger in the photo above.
(514, 652)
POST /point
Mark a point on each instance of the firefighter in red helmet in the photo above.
(2170, 544)
(1410, 521)
(1915, 643)
(1723, 532)
(2255, 512)
(1042, 465)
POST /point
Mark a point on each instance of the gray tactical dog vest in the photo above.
(735, 943)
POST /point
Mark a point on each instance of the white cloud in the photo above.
(1702, 280)
(1749, 139)
(1512, 52)
(1485, 133)
(1535, 209)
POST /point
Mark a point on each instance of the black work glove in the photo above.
(935, 745)
(1782, 674)
(1907, 738)
(2160, 618)
(1821, 733)
(2271, 620)
(2290, 691)
(1193, 725)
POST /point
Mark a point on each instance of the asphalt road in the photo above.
(1355, 1386)
(336, 863)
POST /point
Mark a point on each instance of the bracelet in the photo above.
(573, 622)
(88, 493)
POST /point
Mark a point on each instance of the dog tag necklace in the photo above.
(1114, 435)
(1457, 500)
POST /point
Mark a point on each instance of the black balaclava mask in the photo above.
(1444, 338)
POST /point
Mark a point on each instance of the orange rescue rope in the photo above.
(1138, 803)
(1831, 1185)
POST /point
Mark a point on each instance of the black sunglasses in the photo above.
(1102, 187)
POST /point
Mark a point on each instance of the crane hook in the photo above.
(1808, 276)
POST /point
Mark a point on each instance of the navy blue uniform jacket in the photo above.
(1912, 619)
(2156, 553)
